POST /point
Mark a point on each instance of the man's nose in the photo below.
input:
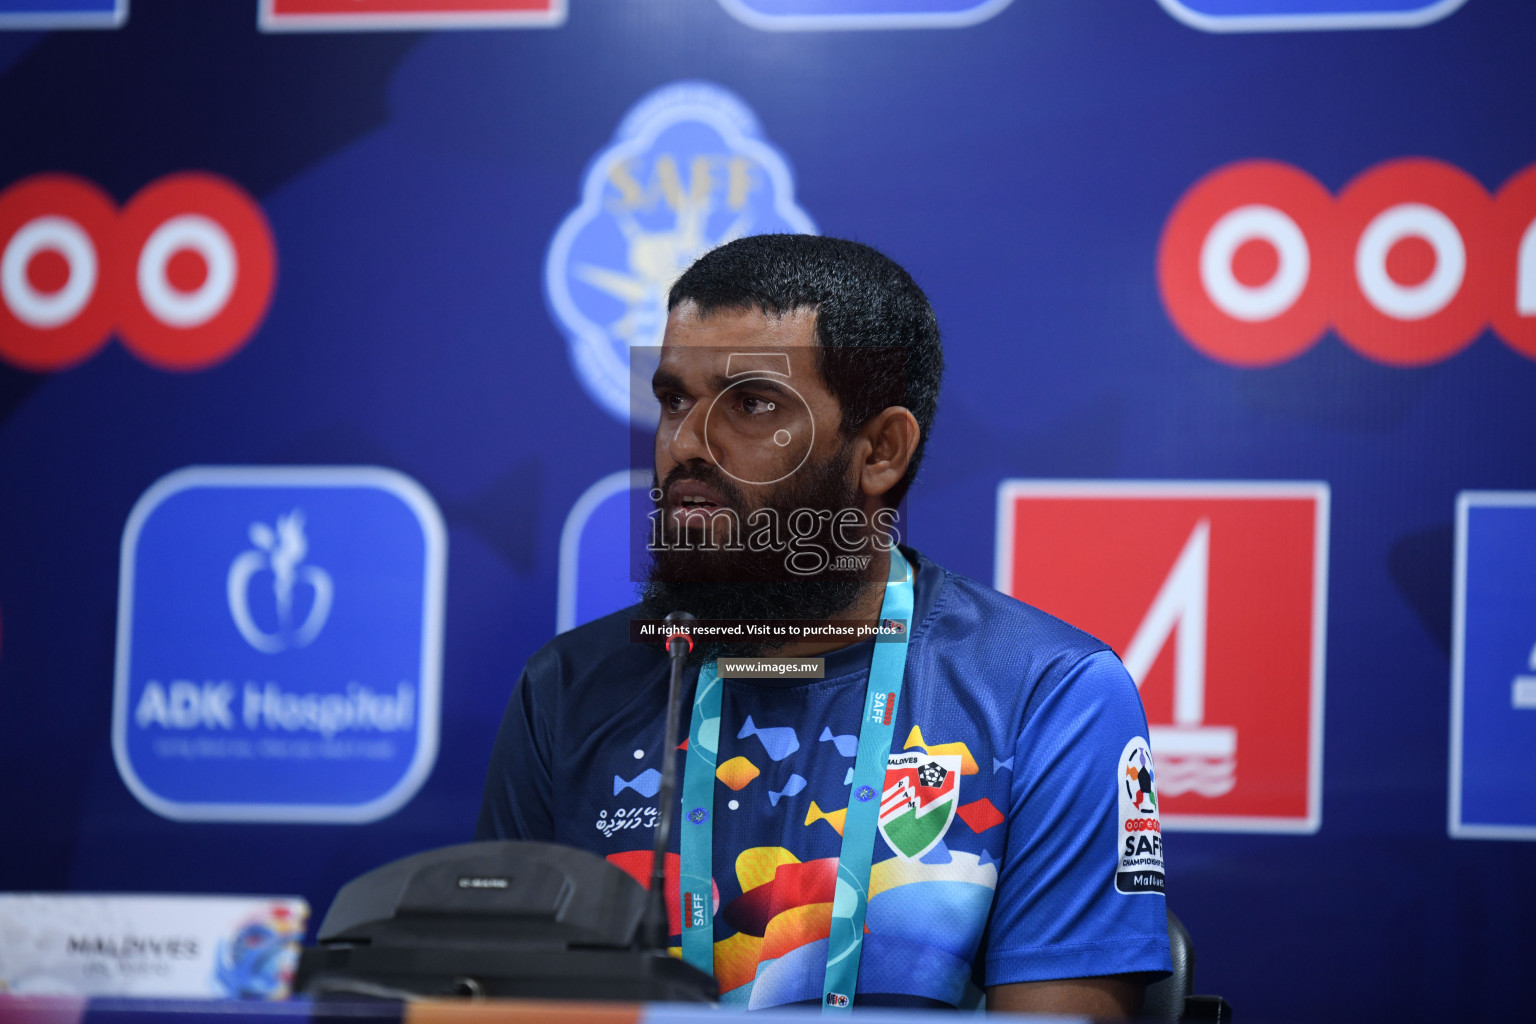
(687, 440)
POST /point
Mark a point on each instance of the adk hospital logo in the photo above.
(688, 169)
(279, 644)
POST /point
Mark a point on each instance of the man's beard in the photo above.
(715, 583)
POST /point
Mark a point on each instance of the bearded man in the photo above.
(963, 803)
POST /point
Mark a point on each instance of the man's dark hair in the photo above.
(879, 341)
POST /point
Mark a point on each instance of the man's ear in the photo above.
(889, 441)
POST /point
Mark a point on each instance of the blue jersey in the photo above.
(1019, 837)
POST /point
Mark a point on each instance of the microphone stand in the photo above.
(654, 932)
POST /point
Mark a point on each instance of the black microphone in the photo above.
(679, 643)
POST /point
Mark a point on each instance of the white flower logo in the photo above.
(279, 551)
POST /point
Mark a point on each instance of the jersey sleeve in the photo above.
(517, 799)
(1064, 908)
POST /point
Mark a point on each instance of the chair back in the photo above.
(1164, 1000)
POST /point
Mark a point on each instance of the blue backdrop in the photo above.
(1022, 168)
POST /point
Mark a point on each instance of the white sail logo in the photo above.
(279, 551)
(1192, 755)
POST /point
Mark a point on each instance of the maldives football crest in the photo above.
(689, 169)
(921, 793)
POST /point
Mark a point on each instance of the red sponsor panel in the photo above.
(1418, 250)
(1214, 595)
(1512, 299)
(362, 15)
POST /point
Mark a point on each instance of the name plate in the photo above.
(203, 947)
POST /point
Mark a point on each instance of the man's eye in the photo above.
(672, 402)
(754, 406)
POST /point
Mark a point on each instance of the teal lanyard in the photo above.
(696, 842)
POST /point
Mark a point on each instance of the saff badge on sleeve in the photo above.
(1139, 864)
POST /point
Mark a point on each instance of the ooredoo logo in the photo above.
(1408, 264)
(184, 272)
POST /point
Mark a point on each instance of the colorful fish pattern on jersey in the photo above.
(775, 908)
(582, 745)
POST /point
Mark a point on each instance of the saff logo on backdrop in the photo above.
(1214, 595)
(184, 273)
(279, 644)
(689, 169)
(1408, 265)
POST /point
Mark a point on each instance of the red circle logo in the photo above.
(1418, 262)
(201, 261)
(55, 299)
(1512, 299)
(1240, 262)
